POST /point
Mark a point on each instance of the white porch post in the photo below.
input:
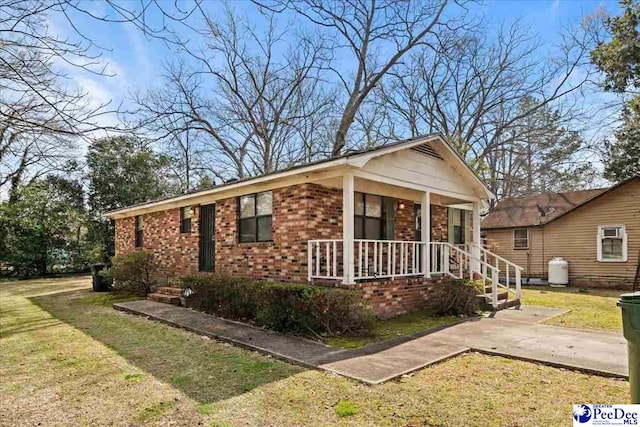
(477, 242)
(347, 228)
(425, 230)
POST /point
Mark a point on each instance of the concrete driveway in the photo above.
(510, 333)
(518, 333)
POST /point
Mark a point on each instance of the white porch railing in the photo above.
(324, 258)
(375, 259)
(387, 258)
(510, 273)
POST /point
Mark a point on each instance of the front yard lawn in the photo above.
(68, 358)
(590, 308)
(382, 330)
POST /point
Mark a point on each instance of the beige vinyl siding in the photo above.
(501, 242)
(574, 237)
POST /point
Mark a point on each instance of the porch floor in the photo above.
(511, 333)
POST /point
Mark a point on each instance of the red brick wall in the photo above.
(300, 213)
(391, 298)
(439, 223)
(125, 235)
(405, 227)
(324, 214)
(175, 253)
(405, 222)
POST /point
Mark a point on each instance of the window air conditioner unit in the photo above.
(611, 232)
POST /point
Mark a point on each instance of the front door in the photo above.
(207, 238)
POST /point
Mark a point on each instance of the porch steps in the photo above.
(503, 300)
(165, 294)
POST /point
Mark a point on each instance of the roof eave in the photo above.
(357, 160)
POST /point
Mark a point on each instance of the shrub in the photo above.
(307, 308)
(458, 297)
(222, 295)
(281, 306)
(131, 272)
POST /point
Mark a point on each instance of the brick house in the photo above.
(402, 217)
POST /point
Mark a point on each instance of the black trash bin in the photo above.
(100, 284)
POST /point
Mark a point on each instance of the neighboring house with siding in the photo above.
(391, 221)
(596, 231)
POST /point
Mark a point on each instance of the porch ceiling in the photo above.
(373, 187)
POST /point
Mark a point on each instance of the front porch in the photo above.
(414, 248)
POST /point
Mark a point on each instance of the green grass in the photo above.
(346, 408)
(107, 299)
(590, 308)
(155, 410)
(67, 358)
(382, 330)
(208, 408)
(134, 378)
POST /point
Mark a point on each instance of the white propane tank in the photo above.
(558, 272)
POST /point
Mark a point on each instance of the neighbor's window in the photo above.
(612, 243)
(138, 231)
(256, 217)
(367, 218)
(185, 219)
(521, 238)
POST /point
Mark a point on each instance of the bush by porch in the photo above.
(283, 307)
(340, 317)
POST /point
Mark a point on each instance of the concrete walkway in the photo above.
(511, 333)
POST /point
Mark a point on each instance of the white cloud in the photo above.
(98, 94)
(140, 46)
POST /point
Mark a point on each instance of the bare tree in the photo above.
(35, 138)
(41, 114)
(377, 34)
(251, 106)
(473, 90)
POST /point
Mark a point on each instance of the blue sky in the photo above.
(136, 61)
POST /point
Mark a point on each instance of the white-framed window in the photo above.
(612, 243)
(521, 238)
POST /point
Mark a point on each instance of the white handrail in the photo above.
(508, 264)
(506, 261)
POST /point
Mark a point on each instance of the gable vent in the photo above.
(427, 150)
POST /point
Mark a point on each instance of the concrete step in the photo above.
(164, 298)
(508, 304)
(502, 303)
(167, 290)
(501, 295)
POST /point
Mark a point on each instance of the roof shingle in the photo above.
(524, 211)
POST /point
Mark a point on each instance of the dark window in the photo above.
(459, 227)
(521, 238)
(138, 231)
(185, 219)
(256, 217)
(374, 217)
